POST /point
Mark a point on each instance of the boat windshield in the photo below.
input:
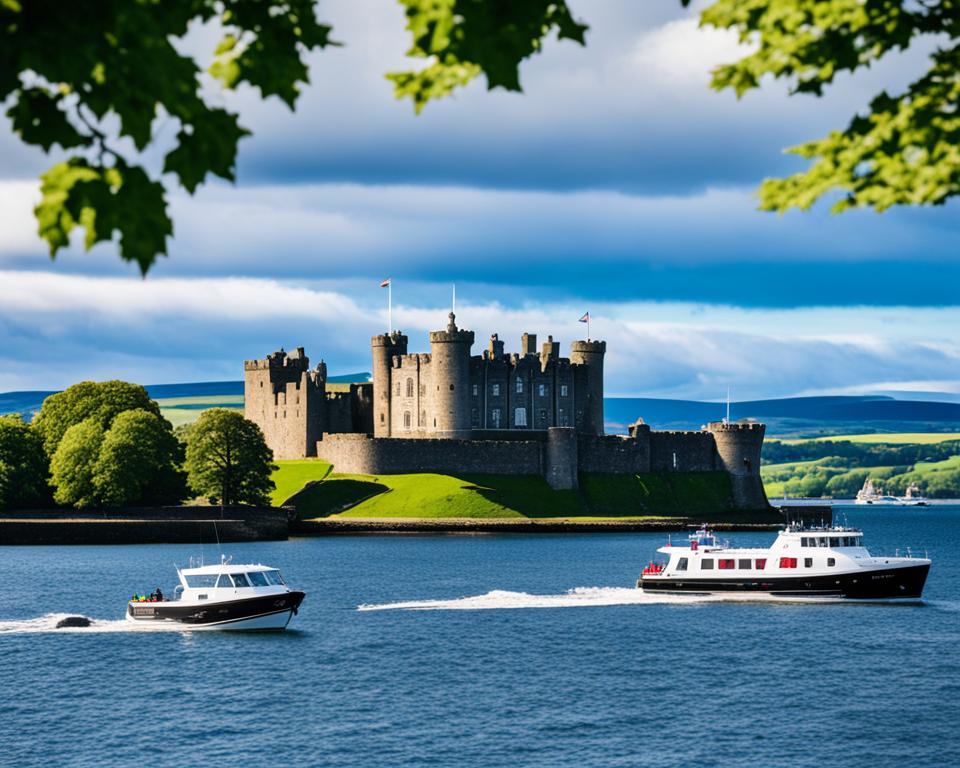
(201, 580)
(274, 578)
(258, 579)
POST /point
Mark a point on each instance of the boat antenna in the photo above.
(217, 534)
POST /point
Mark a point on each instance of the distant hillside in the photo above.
(795, 416)
(788, 417)
(29, 402)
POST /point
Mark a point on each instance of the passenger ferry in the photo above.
(802, 563)
(223, 596)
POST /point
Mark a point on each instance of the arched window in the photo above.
(406, 419)
(409, 387)
(519, 385)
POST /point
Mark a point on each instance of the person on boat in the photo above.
(159, 594)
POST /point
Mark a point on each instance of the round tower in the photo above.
(385, 347)
(589, 354)
(450, 371)
(738, 448)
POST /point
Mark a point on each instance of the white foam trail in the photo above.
(48, 623)
(590, 597)
(578, 597)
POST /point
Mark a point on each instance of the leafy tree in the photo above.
(72, 464)
(24, 467)
(100, 401)
(906, 148)
(228, 459)
(138, 462)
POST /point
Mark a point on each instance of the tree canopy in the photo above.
(97, 400)
(24, 467)
(228, 459)
(94, 78)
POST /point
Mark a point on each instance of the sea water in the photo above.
(479, 650)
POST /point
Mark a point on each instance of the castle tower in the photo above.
(385, 347)
(450, 361)
(589, 355)
(738, 447)
(286, 400)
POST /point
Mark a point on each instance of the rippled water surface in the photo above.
(479, 650)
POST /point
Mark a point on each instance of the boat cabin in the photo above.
(223, 580)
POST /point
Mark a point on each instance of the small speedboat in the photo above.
(807, 563)
(222, 596)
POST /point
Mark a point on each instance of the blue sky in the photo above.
(617, 183)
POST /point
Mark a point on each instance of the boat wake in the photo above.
(585, 597)
(48, 623)
(574, 598)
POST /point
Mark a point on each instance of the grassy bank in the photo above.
(431, 496)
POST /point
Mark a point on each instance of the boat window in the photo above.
(682, 564)
(706, 565)
(808, 562)
(224, 581)
(824, 541)
(726, 565)
(836, 542)
(274, 578)
(240, 580)
(198, 581)
(258, 579)
(811, 542)
(761, 563)
(831, 561)
(745, 564)
(788, 562)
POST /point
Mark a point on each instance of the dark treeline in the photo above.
(859, 454)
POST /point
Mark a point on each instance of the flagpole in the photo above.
(390, 305)
(588, 326)
(453, 306)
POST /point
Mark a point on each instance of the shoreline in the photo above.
(345, 526)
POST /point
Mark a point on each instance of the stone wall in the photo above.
(360, 454)
(613, 454)
(682, 452)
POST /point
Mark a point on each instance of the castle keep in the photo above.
(449, 411)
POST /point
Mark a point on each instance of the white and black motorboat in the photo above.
(802, 563)
(222, 596)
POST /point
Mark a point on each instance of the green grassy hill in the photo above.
(701, 496)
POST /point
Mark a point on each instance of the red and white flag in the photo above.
(385, 283)
(585, 318)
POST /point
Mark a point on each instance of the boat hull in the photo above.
(264, 612)
(904, 582)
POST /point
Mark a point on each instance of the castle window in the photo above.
(561, 418)
(409, 387)
(398, 389)
(423, 390)
(261, 385)
(519, 385)
(474, 417)
(381, 418)
(543, 416)
(406, 419)
(495, 390)
(520, 417)
(451, 387)
(495, 417)
(543, 390)
(563, 390)
(474, 390)
(423, 419)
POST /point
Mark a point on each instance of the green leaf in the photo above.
(38, 119)
(104, 201)
(209, 145)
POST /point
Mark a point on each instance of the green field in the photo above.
(891, 438)
(186, 410)
(600, 497)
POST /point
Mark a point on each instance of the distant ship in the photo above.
(871, 494)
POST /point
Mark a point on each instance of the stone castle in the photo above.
(449, 411)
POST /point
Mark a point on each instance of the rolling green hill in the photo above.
(694, 497)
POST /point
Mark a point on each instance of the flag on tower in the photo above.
(585, 318)
(385, 283)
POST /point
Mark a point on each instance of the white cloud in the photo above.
(682, 53)
(55, 329)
